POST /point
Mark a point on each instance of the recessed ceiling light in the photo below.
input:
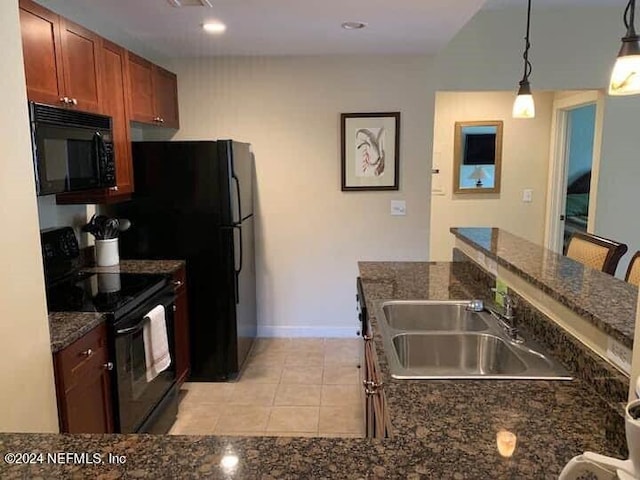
(353, 25)
(214, 27)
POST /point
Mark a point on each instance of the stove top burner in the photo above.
(100, 292)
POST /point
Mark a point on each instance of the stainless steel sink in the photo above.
(443, 340)
(457, 354)
(432, 316)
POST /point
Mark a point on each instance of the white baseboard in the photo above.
(298, 331)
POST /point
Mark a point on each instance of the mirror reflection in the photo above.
(477, 157)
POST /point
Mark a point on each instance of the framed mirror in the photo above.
(477, 157)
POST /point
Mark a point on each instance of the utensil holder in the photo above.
(107, 252)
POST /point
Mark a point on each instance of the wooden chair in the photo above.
(596, 252)
(633, 271)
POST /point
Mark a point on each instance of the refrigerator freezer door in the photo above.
(241, 181)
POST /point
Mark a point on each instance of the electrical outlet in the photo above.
(527, 195)
(619, 355)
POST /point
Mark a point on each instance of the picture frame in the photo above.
(370, 145)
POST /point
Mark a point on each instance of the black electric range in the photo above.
(143, 404)
(115, 293)
(69, 289)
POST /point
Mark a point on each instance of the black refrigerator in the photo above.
(193, 200)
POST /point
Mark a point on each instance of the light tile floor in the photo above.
(288, 387)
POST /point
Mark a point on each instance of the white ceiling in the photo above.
(289, 27)
(300, 27)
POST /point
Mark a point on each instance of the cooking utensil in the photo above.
(125, 224)
(111, 228)
(101, 227)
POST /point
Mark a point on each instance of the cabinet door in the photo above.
(81, 66)
(376, 405)
(114, 88)
(165, 90)
(181, 326)
(41, 48)
(369, 395)
(83, 384)
(88, 402)
(141, 104)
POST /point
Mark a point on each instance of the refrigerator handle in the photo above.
(239, 269)
(237, 182)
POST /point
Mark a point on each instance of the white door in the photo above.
(576, 135)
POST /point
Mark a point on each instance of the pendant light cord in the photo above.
(527, 63)
(630, 18)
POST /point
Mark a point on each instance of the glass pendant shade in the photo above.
(625, 78)
(524, 106)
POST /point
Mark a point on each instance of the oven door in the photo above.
(67, 158)
(137, 397)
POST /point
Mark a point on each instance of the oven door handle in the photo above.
(129, 330)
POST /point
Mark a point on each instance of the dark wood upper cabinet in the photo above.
(165, 88)
(153, 93)
(141, 89)
(83, 384)
(70, 66)
(114, 87)
(61, 59)
(81, 65)
(41, 49)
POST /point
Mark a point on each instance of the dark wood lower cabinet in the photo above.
(181, 327)
(376, 416)
(83, 384)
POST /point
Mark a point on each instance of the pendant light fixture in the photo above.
(625, 78)
(524, 107)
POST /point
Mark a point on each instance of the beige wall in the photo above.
(310, 234)
(525, 156)
(27, 396)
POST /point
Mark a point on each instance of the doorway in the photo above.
(575, 158)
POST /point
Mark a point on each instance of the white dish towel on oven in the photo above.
(156, 344)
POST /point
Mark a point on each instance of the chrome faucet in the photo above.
(506, 316)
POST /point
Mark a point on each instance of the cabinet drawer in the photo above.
(72, 362)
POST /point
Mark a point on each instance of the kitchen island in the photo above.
(440, 429)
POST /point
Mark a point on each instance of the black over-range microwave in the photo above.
(71, 150)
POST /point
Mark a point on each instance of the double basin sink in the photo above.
(448, 340)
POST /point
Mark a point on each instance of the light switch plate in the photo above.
(398, 207)
(527, 195)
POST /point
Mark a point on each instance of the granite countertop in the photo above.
(66, 327)
(167, 267)
(607, 302)
(441, 429)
